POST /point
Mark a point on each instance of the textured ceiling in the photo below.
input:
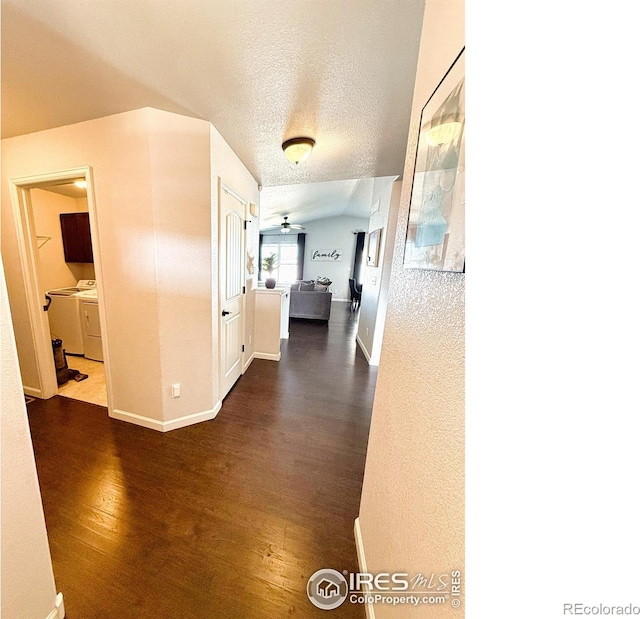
(261, 71)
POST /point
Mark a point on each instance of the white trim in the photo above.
(341, 300)
(189, 420)
(364, 350)
(58, 610)
(97, 264)
(362, 564)
(234, 194)
(166, 426)
(139, 420)
(268, 356)
(248, 363)
(27, 250)
(32, 391)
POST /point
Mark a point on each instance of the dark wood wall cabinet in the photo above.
(76, 237)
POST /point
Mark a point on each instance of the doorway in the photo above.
(58, 244)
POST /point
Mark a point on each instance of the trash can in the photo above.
(62, 369)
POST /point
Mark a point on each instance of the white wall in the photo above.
(181, 197)
(28, 587)
(333, 233)
(152, 184)
(412, 507)
(53, 271)
(117, 147)
(375, 280)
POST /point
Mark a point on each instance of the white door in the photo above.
(231, 237)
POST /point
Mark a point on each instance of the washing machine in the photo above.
(65, 321)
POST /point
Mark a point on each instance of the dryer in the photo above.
(90, 317)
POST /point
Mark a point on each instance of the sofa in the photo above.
(310, 300)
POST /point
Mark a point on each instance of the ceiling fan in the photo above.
(286, 227)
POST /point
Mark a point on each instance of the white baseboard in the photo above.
(33, 392)
(364, 350)
(362, 564)
(58, 611)
(268, 356)
(166, 426)
(341, 300)
(248, 363)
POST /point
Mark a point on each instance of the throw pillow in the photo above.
(307, 287)
(321, 287)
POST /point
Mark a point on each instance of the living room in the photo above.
(316, 237)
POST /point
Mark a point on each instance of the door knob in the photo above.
(225, 313)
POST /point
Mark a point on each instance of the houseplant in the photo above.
(269, 264)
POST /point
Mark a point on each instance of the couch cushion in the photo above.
(295, 286)
(310, 305)
(306, 287)
(320, 287)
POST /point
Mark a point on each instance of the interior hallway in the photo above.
(227, 518)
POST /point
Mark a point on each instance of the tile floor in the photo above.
(92, 389)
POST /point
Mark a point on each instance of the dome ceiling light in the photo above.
(297, 150)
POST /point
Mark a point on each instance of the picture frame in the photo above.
(373, 248)
(435, 238)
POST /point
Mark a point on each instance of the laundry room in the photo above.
(67, 281)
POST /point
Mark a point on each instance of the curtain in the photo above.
(357, 262)
(301, 238)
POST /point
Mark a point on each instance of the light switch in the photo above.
(175, 390)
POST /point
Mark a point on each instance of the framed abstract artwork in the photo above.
(435, 231)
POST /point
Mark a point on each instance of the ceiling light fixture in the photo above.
(298, 149)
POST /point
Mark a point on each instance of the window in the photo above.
(286, 251)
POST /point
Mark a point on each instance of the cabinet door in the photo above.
(91, 317)
(76, 237)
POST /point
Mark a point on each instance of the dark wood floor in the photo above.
(227, 518)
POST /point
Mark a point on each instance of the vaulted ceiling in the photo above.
(262, 71)
(308, 202)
